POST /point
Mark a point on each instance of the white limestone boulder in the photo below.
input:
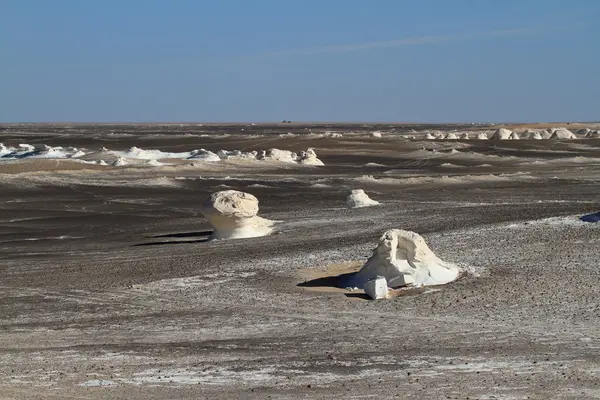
(403, 258)
(429, 136)
(358, 198)
(234, 215)
(376, 288)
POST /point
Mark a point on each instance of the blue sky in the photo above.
(302, 60)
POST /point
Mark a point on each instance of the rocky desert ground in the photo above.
(111, 290)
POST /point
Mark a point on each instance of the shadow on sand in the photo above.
(202, 235)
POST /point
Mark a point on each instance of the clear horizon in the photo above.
(348, 61)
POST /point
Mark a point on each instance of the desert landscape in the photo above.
(116, 284)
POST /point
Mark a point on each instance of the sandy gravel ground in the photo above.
(110, 290)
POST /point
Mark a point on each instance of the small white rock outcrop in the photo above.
(376, 288)
(358, 198)
(451, 136)
(502, 134)
(429, 136)
(233, 215)
(464, 136)
(309, 157)
(403, 258)
(376, 134)
(482, 136)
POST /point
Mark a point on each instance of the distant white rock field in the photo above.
(403, 258)
(234, 215)
(358, 198)
(137, 156)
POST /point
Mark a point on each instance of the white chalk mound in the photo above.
(358, 198)
(233, 215)
(502, 134)
(403, 258)
(309, 157)
(482, 136)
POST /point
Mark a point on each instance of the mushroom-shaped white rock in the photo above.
(502, 134)
(309, 157)
(358, 198)
(233, 215)
(482, 136)
(376, 288)
(403, 258)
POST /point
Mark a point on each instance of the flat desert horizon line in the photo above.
(341, 123)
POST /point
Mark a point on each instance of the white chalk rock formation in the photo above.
(309, 157)
(376, 134)
(403, 258)
(280, 155)
(482, 136)
(465, 136)
(514, 136)
(120, 162)
(593, 135)
(502, 134)
(233, 215)
(546, 134)
(376, 288)
(429, 136)
(536, 136)
(584, 131)
(358, 198)
(563, 133)
(451, 136)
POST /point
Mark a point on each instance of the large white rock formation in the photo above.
(502, 134)
(403, 258)
(563, 133)
(482, 136)
(514, 136)
(451, 136)
(464, 136)
(233, 215)
(309, 157)
(358, 198)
